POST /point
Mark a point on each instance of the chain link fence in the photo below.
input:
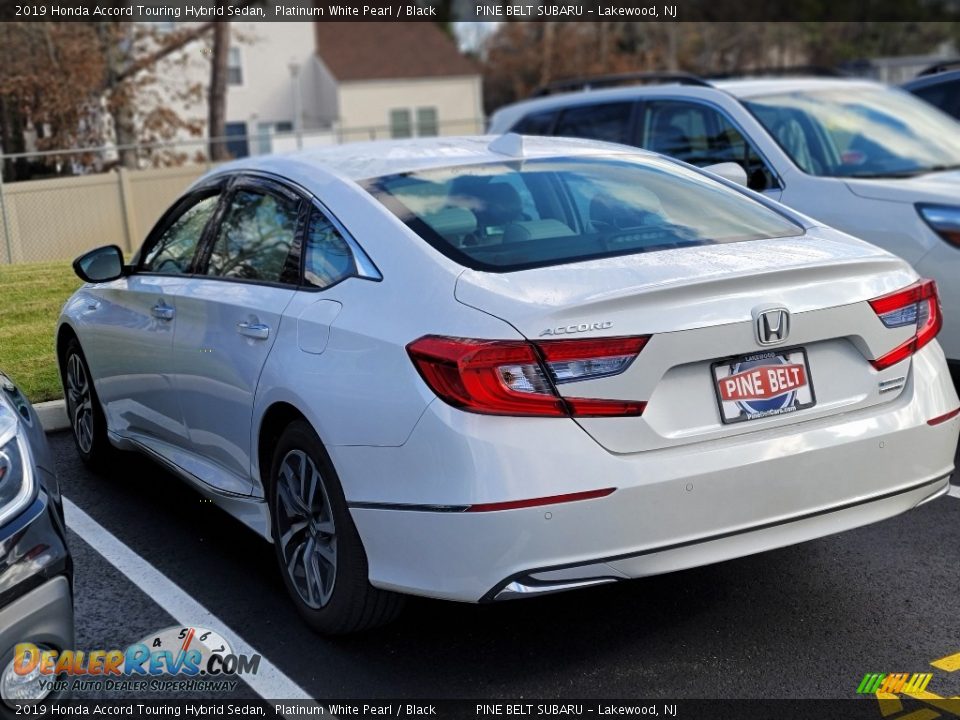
(86, 198)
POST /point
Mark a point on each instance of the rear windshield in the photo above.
(521, 214)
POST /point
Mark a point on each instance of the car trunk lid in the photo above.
(701, 307)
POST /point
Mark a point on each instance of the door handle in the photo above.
(162, 311)
(258, 331)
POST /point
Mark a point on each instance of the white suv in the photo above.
(862, 157)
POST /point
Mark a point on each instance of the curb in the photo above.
(52, 415)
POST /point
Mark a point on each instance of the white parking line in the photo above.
(954, 491)
(269, 682)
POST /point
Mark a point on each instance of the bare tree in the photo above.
(217, 102)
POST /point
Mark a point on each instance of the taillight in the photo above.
(917, 305)
(516, 377)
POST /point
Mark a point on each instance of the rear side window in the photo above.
(327, 256)
(254, 237)
(604, 121)
(520, 214)
(172, 253)
(540, 123)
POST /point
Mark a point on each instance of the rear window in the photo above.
(521, 214)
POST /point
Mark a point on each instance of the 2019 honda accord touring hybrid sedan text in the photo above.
(36, 569)
(485, 368)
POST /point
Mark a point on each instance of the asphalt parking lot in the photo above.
(806, 621)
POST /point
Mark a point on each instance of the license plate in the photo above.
(764, 384)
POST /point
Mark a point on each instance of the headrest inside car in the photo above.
(453, 223)
(535, 230)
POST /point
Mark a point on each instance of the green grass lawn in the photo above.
(30, 300)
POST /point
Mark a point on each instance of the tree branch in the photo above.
(177, 43)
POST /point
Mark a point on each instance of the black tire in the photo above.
(318, 549)
(84, 412)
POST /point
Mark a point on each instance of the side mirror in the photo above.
(100, 265)
(731, 171)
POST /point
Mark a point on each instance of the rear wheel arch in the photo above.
(275, 420)
(348, 602)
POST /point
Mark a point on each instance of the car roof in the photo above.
(754, 87)
(520, 109)
(740, 88)
(933, 79)
(365, 160)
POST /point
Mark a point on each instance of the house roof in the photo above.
(389, 50)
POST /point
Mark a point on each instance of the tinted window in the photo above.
(173, 252)
(944, 95)
(701, 136)
(578, 208)
(327, 256)
(254, 237)
(540, 123)
(609, 122)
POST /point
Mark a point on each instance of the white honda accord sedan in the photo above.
(487, 368)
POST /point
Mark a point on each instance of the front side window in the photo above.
(327, 256)
(173, 252)
(254, 237)
(702, 136)
(860, 131)
(519, 214)
(609, 122)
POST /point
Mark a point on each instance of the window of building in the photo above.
(234, 67)
(266, 131)
(402, 122)
(427, 124)
(237, 144)
(401, 125)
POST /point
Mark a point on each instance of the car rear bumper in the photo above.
(672, 509)
(725, 546)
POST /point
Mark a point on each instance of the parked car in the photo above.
(36, 570)
(479, 369)
(939, 85)
(862, 157)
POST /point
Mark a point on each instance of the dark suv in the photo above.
(36, 570)
(939, 85)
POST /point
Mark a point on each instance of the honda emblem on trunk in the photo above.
(772, 325)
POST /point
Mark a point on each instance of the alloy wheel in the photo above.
(80, 403)
(306, 530)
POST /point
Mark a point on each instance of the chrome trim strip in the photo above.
(518, 589)
(407, 507)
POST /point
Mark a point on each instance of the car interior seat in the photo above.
(668, 138)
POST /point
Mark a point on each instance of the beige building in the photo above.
(395, 80)
(303, 83)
